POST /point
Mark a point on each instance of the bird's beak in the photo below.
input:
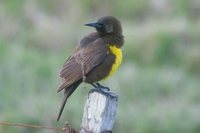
(96, 24)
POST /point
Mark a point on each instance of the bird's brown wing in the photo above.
(81, 62)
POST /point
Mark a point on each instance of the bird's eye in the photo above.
(100, 25)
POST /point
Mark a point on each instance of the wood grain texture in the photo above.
(99, 113)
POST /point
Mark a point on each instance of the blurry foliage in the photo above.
(158, 82)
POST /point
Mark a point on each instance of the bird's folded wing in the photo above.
(81, 62)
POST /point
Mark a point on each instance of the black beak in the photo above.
(96, 25)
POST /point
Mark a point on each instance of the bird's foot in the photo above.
(103, 90)
(103, 87)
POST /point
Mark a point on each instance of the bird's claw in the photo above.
(103, 90)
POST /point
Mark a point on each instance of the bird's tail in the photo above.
(67, 94)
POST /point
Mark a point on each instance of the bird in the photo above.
(97, 56)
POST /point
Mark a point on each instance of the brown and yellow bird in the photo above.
(97, 56)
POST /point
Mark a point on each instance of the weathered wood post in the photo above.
(99, 113)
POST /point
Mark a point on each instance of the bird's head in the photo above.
(107, 25)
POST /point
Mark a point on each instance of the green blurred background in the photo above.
(158, 82)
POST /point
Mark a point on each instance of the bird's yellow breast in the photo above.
(118, 58)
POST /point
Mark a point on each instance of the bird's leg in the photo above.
(105, 90)
(96, 88)
(94, 85)
(102, 87)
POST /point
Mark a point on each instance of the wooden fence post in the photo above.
(99, 113)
